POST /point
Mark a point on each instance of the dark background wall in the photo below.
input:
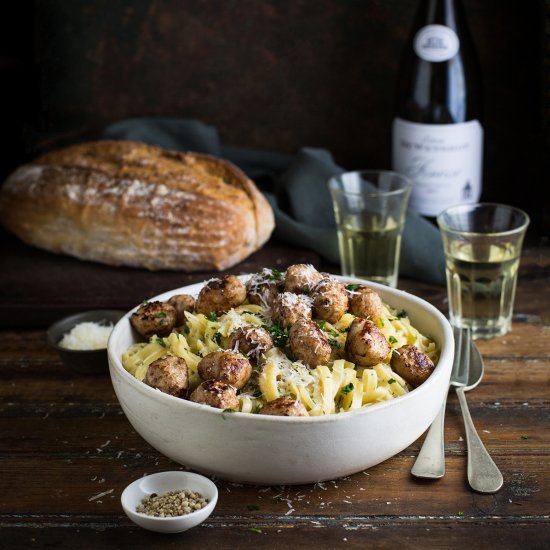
(270, 74)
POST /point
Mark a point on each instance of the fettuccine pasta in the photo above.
(335, 387)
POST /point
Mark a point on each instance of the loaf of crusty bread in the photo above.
(126, 203)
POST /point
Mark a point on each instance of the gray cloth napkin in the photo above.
(296, 188)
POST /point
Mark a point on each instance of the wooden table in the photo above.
(67, 450)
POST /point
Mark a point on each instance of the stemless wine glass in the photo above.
(482, 245)
(370, 207)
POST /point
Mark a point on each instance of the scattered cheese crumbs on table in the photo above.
(99, 495)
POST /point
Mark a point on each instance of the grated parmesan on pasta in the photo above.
(336, 387)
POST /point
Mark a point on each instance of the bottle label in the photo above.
(436, 43)
(444, 161)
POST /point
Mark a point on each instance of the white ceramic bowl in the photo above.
(274, 450)
(164, 482)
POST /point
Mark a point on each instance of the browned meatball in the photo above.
(366, 303)
(301, 278)
(216, 394)
(262, 288)
(168, 374)
(309, 344)
(284, 406)
(154, 318)
(227, 366)
(330, 300)
(251, 341)
(287, 308)
(182, 303)
(412, 364)
(220, 295)
(365, 344)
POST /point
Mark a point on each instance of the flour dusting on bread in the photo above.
(126, 203)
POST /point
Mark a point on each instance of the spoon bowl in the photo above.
(477, 368)
(483, 474)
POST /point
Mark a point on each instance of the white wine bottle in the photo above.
(437, 137)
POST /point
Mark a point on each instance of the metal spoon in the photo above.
(430, 463)
(483, 474)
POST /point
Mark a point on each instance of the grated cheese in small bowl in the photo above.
(81, 339)
(86, 336)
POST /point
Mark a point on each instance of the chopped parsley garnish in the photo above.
(460, 514)
(279, 335)
(347, 389)
(145, 302)
(351, 288)
(331, 331)
(401, 314)
(160, 342)
(160, 315)
(255, 530)
(252, 507)
(228, 411)
(253, 389)
(392, 339)
(335, 344)
(212, 316)
(381, 321)
(392, 381)
(275, 275)
(217, 338)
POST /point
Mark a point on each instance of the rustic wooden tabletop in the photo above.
(67, 451)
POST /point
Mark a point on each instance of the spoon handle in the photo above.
(430, 462)
(483, 474)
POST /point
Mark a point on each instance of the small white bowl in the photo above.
(162, 483)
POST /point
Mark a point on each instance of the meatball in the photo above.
(366, 303)
(330, 300)
(412, 364)
(284, 406)
(365, 344)
(308, 343)
(262, 288)
(182, 303)
(287, 308)
(168, 374)
(301, 278)
(154, 318)
(216, 394)
(251, 341)
(226, 366)
(220, 295)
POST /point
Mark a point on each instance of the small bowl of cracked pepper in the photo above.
(169, 502)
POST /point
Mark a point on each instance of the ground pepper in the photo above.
(172, 503)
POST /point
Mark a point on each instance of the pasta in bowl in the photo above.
(318, 399)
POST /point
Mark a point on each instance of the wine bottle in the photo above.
(437, 137)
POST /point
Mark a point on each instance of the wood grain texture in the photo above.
(67, 451)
